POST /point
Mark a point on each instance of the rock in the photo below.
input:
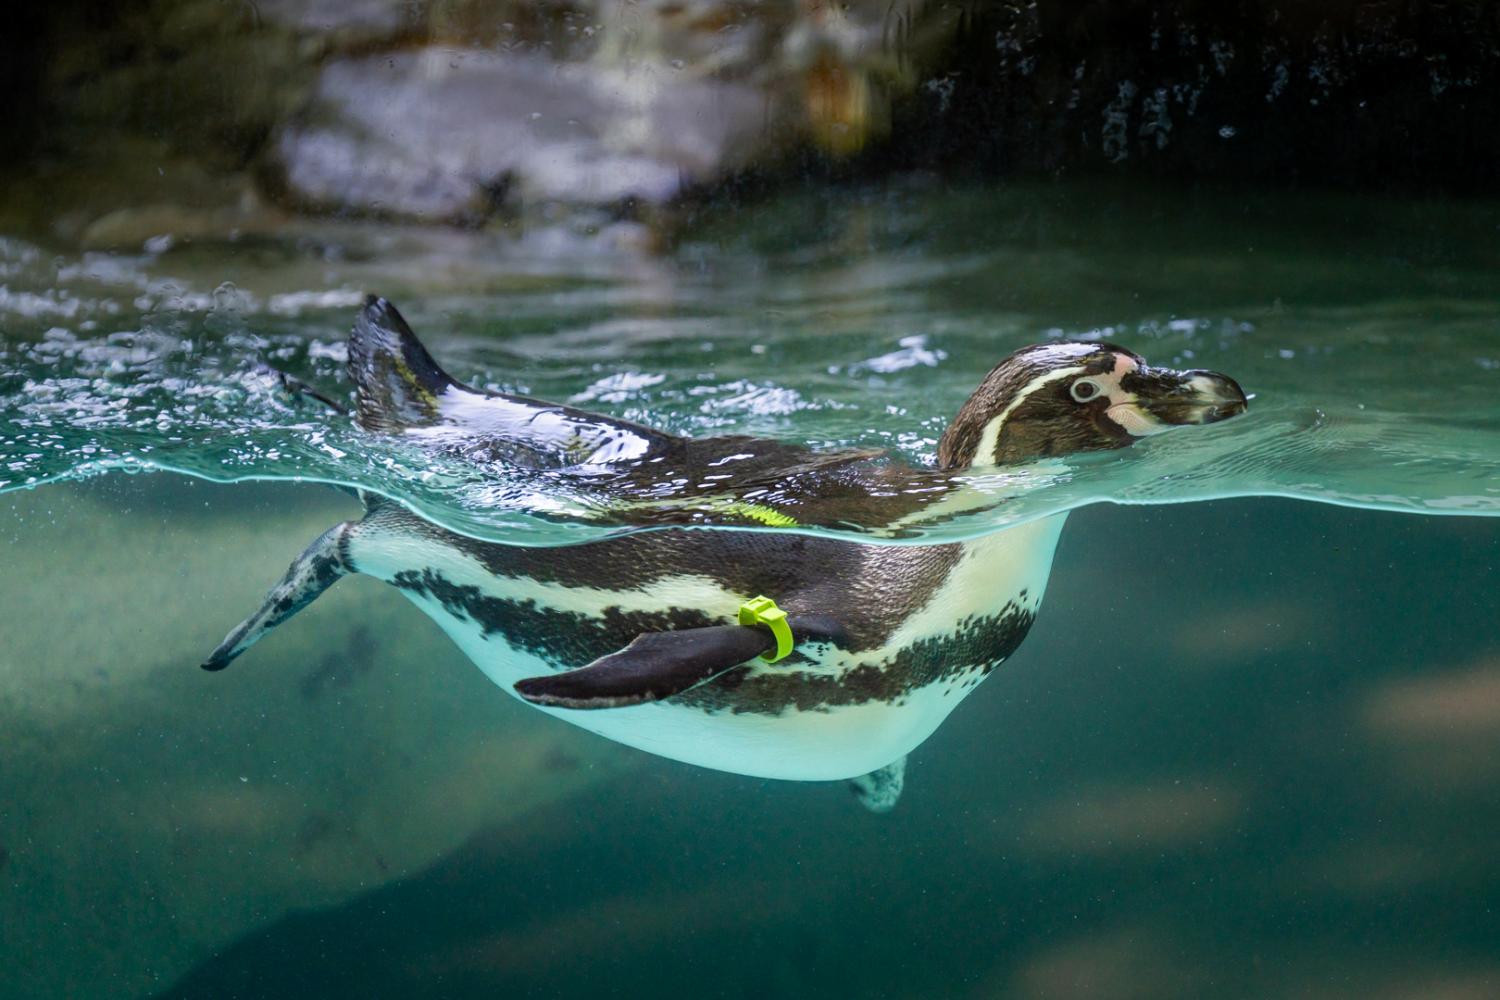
(453, 112)
(371, 19)
(595, 104)
(450, 134)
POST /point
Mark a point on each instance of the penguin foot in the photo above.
(879, 790)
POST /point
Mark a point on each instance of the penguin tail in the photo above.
(311, 573)
(397, 383)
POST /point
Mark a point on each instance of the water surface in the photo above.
(1365, 331)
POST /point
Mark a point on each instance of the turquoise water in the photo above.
(1249, 749)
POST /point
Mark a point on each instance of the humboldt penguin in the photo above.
(765, 652)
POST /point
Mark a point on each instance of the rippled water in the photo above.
(1366, 333)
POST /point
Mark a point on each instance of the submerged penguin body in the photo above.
(659, 640)
(925, 624)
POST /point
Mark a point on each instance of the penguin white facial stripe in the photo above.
(1122, 407)
(984, 453)
(1136, 421)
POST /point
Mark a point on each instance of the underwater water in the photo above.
(1251, 746)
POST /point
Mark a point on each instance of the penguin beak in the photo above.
(1174, 398)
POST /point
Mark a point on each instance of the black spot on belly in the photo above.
(569, 639)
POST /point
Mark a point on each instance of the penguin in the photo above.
(769, 653)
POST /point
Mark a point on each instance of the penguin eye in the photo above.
(1084, 390)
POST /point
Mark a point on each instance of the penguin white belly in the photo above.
(1004, 570)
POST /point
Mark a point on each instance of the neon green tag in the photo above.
(763, 611)
(769, 516)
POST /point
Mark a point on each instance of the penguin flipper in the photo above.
(658, 665)
(311, 573)
(654, 666)
(879, 790)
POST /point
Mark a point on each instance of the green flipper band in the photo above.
(763, 611)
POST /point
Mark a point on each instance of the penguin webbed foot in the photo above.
(659, 665)
(879, 790)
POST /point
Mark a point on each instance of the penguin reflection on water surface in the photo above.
(637, 637)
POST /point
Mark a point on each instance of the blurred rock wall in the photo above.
(478, 111)
(466, 110)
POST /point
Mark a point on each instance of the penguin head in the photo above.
(1066, 397)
